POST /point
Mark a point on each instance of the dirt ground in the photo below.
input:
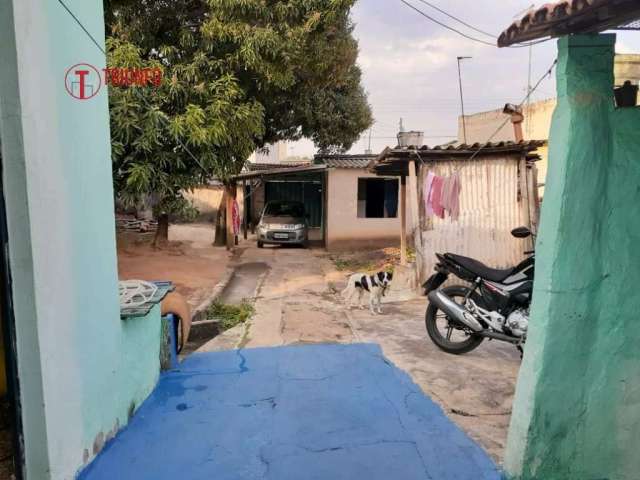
(297, 301)
(189, 261)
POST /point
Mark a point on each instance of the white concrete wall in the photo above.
(207, 200)
(275, 153)
(344, 228)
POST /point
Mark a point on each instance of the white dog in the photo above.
(376, 285)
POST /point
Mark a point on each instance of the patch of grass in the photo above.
(229, 316)
(352, 264)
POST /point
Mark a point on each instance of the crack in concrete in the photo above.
(399, 418)
(269, 400)
(355, 445)
(308, 379)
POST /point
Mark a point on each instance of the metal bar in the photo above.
(403, 220)
(245, 210)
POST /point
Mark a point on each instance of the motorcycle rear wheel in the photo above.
(468, 342)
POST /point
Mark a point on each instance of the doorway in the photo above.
(11, 455)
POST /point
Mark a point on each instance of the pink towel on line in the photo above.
(436, 196)
(446, 193)
(426, 194)
(454, 198)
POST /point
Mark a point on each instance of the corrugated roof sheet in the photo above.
(344, 161)
(281, 169)
(256, 167)
(568, 17)
(462, 148)
(394, 160)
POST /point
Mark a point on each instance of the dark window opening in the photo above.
(284, 209)
(377, 198)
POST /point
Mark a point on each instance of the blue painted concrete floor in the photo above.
(307, 412)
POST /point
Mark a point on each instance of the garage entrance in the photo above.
(307, 192)
(305, 184)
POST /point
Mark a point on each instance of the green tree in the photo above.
(238, 74)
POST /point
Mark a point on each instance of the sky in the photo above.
(410, 69)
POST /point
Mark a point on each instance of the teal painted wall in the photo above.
(81, 367)
(576, 414)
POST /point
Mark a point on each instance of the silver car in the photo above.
(283, 222)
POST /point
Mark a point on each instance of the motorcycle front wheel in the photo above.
(445, 332)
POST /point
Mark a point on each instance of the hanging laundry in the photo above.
(236, 218)
(436, 196)
(426, 193)
(446, 191)
(442, 195)
(454, 196)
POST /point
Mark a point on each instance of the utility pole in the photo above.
(368, 150)
(529, 88)
(464, 122)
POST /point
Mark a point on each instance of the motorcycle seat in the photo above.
(479, 268)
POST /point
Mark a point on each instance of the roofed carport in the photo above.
(303, 182)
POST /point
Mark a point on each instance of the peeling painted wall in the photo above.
(576, 414)
(81, 368)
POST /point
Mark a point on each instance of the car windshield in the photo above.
(284, 209)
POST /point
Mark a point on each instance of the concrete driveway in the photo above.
(297, 302)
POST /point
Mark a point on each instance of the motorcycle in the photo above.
(495, 304)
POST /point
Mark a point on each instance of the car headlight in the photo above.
(263, 226)
(298, 226)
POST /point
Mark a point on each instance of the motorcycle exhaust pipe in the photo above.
(455, 311)
(500, 336)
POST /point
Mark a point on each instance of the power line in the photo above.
(82, 26)
(435, 7)
(546, 74)
(144, 100)
(444, 25)
(465, 35)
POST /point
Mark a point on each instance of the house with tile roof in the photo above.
(348, 206)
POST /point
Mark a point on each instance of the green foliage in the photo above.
(238, 74)
(229, 316)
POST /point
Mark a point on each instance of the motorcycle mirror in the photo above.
(521, 232)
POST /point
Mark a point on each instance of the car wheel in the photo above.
(260, 244)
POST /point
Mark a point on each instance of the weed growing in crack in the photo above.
(229, 316)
